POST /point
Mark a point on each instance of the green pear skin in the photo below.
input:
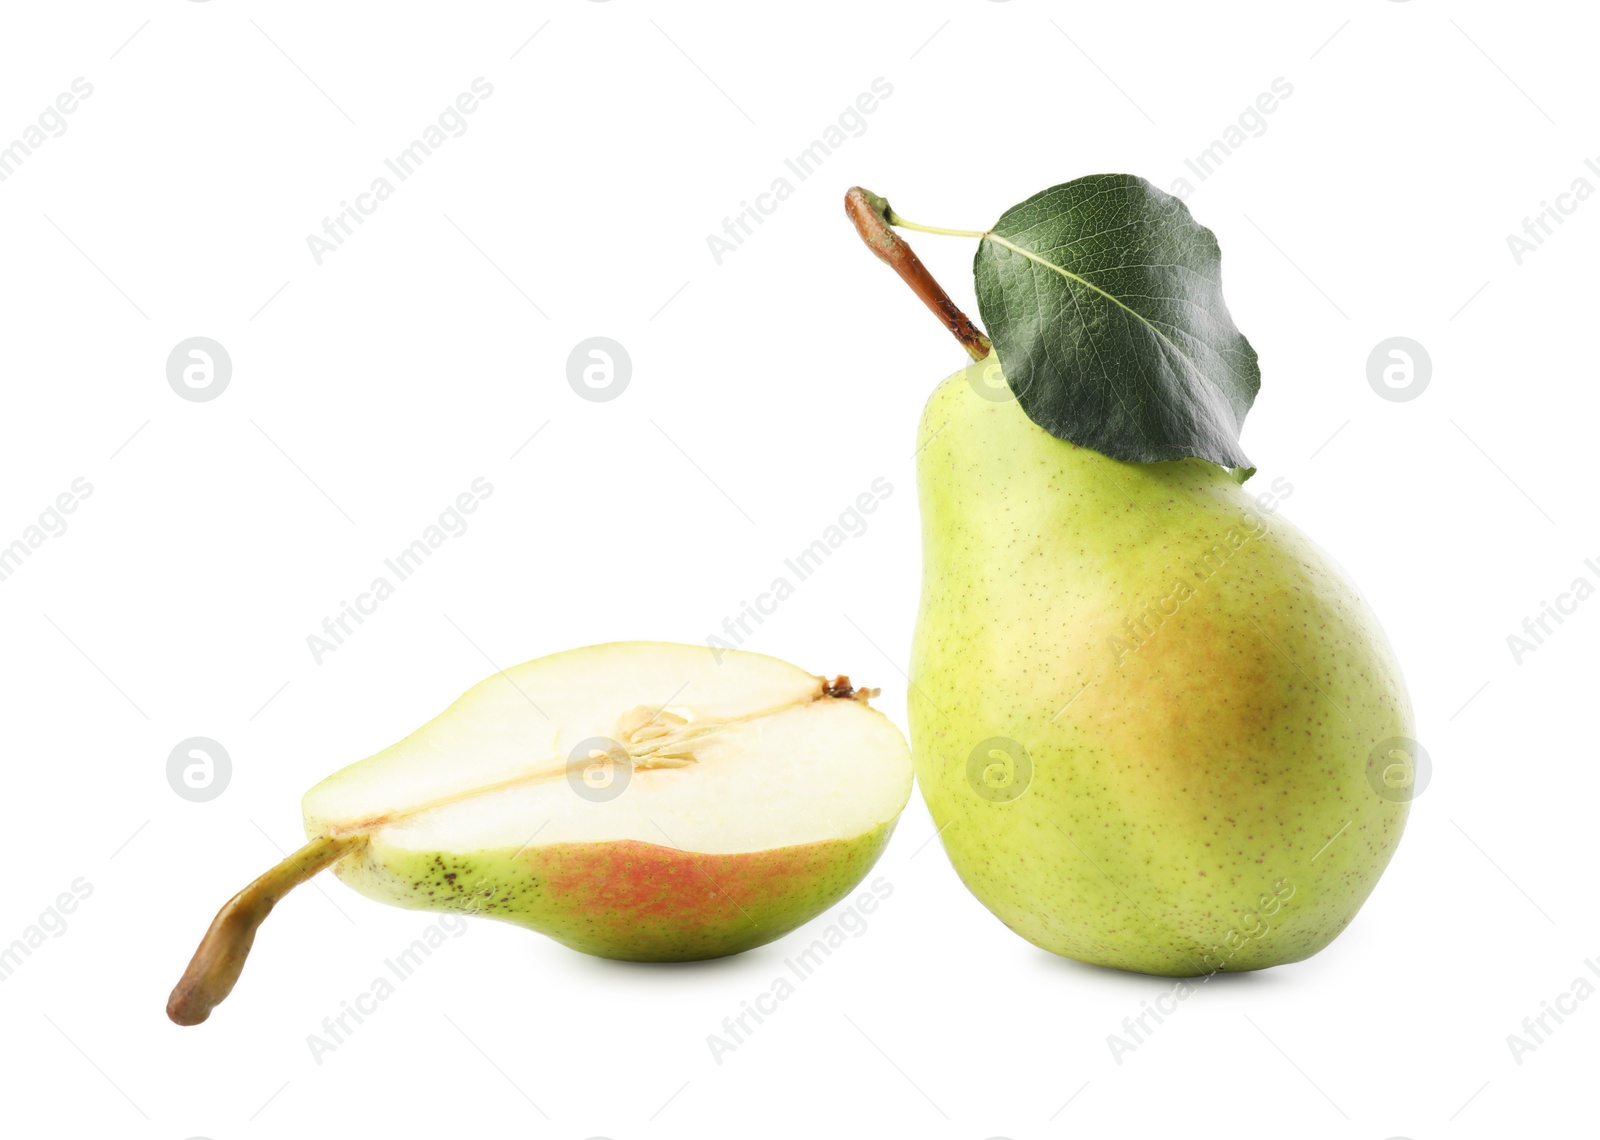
(639, 902)
(1144, 709)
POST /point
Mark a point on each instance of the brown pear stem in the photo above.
(871, 215)
(216, 964)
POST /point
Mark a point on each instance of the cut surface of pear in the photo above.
(636, 800)
(1146, 711)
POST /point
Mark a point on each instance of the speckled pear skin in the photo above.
(640, 902)
(1200, 797)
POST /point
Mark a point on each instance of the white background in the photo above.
(767, 392)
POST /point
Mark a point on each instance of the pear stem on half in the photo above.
(216, 964)
(873, 217)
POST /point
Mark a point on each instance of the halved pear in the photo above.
(638, 800)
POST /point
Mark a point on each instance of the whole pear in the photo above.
(1157, 728)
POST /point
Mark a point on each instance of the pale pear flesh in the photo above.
(1144, 709)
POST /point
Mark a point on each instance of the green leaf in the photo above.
(1103, 297)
